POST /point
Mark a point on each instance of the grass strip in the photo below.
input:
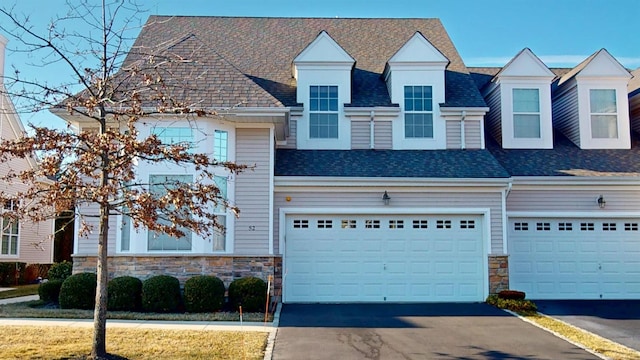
(17, 291)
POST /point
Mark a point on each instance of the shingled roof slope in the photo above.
(262, 49)
(389, 163)
(566, 159)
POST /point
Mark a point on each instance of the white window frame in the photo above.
(10, 234)
(162, 132)
(154, 235)
(526, 113)
(410, 110)
(613, 115)
(331, 112)
(221, 145)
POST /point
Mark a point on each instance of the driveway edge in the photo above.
(562, 336)
(271, 339)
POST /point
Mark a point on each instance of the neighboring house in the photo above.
(373, 178)
(22, 241)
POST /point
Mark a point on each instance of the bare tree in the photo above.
(112, 90)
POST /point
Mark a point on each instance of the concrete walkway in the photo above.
(19, 299)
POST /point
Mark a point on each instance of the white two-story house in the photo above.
(373, 178)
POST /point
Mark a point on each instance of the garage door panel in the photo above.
(574, 258)
(385, 258)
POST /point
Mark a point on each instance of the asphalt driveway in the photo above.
(413, 331)
(617, 320)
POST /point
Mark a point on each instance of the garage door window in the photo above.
(372, 224)
(467, 224)
(608, 226)
(396, 224)
(325, 224)
(565, 226)
(348, 224)
(420, 224)
(521, 226)
(443, 224)
(300, 224)
(630, 226)
(543, 226)
(587, 226)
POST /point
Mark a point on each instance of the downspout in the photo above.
(505, 219)
(463, 144)
(372, 131)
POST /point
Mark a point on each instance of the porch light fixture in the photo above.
(386, 198)
(601, 202)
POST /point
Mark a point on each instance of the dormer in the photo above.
(590, 104)
(519, 97)
(415, 80)
(323, 74)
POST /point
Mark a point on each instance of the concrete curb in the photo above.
(562, 336)
(271, 339)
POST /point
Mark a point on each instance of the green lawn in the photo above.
(17, 291)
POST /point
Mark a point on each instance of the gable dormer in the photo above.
(323, 74)
(519, 97)
(590, 104)
(415, 80)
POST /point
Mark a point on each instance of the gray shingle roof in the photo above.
(566, 159)
(262, 50)
(389, 163)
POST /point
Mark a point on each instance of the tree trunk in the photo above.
(98, 349)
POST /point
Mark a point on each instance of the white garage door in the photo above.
(377, 258)
(575, 258)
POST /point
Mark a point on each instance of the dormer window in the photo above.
(526, 113)
(418, 112)
(604, 113)
(323, 112)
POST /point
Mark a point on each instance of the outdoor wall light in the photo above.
(601, 202)
(386, 198)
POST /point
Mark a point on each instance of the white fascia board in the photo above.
(572, 214)
(549, 182)
(377, 110)
(470, 111)
(324, 181)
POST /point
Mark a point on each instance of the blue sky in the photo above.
(485, 32)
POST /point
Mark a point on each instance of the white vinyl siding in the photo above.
(494, 117)
(472, 134)
(89, 245)
(571, 200)
(293, 135)
(565, 114)
(333, 200)
(252, 192)
(360, 134)
(383, 138)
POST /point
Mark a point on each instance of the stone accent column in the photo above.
(498, 273)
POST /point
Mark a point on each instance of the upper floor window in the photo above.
(526, 113)
(220, 146)
(10, 232)
(175, 135)
(604, 113)
(323, 115)
(418, 112)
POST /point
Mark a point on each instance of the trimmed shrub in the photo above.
(78, 291)
(60, 271)
(249, 292)
(511, 294)
(49, 291)
(203, 294)
(161, 293)
(12, 273)
(520, 306)
(124, 293)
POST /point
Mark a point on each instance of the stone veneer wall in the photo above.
(227, 268)
(498, 273)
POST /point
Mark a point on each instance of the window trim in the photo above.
(189, 234)
(615, 114)
(221, 153)
(10, 234)
(514, 113)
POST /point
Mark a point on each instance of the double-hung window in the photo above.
(526, 113)
(604, 113)
(219, 237)
(418, 112)
(159, 241)
(220, 145)
(10, 232)
(323, 112)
